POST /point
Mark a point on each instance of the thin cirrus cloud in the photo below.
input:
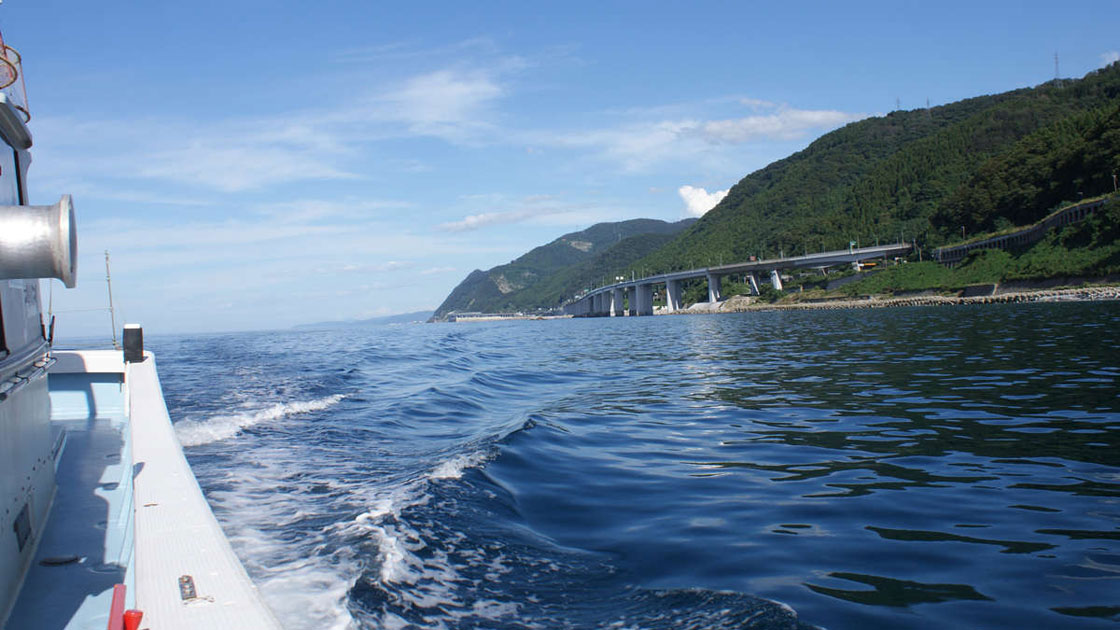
(536, 209)
(447, 103)
(635, 146)
(296, 146)
(485, 219)
(227, 168)
(320, 211)
(238, 155)
(784, 124)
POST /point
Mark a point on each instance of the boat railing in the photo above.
(11, 79)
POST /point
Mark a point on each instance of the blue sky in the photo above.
(254, 165)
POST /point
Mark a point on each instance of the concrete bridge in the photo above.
(608, 300)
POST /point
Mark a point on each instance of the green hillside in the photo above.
(929, 176)
(920, 175)
(544, 276)
(1090, 248)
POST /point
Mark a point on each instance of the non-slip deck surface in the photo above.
(176, 533)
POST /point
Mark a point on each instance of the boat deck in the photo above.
(128, 511)
(87, 545)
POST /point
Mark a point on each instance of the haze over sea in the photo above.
(951, 467)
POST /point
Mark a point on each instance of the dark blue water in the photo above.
(952, 467)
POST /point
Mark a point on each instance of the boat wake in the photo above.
(223, 427)
(450, 552)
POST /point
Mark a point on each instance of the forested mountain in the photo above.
(926, 176)
(548, 274)
(920, 175)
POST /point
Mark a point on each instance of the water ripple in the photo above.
(904, 468)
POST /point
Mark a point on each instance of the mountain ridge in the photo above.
(926, 176)
(542, 277)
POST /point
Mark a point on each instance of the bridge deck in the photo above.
(822, 259)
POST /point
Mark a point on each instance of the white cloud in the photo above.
(434, 270)
(698, 201)
(633, 146)
(757, 103)
(217, 164)
(523, 209)
(636, 146)
(1110, 57)
(255, 153)
(785, 124)
(442, 103)
(476, 221)
(397, 52)
(540, 210)
(227, 156)
(322, 210)
(392, 265)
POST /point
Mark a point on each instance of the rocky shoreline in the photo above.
(739, 304)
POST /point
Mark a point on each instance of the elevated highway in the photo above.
(609, 300)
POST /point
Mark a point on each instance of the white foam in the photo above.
(197, 432)
(310, 593)
(454, 467)
(304, 586)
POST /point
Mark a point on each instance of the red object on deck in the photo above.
(132, 619)
(116, 609)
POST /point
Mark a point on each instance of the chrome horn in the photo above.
(39, 242)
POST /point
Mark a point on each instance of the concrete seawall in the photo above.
(741, 304)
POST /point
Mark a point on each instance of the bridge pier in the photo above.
(776, 279)
(713, 288)
(645, 299)
(673, 295)
(580, 308)
(752, 278)
(616, 303)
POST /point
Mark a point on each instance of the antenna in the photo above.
(112, 313)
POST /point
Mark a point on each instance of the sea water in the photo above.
(945, 467)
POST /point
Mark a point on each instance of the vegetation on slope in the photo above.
(931, 176)
(919, 175)
(546, 275)
(1090, 248)
(1074, 157)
